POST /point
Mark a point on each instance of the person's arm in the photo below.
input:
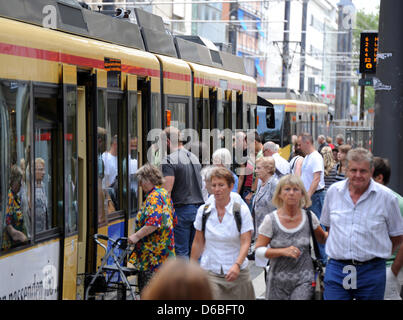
(263, 241)
(16, 235)
(169, 184)
(314, 184)
(233, 272)
(197, 246)
(396, 242)
(321, 235)
(143, 232)
(398, 263)
(241, 177)
(298, 166)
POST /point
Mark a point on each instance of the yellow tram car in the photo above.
(292, 117)
(68, 94)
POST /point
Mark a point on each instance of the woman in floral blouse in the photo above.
(15, 231)
(154, 229)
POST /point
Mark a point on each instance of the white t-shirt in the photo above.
(110, 169)
(223, 243)
(313, 162)
(282, 165)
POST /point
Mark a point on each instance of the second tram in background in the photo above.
(293, 115)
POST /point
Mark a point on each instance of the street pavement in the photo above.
(257, 276)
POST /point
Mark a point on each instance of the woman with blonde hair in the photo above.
(342, 158)
(288, 232)
(330, 167)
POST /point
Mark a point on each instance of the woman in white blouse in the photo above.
(222, 247)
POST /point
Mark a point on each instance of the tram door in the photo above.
(69, 179)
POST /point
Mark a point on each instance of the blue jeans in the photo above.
(184, 231)
(360, 282)
(316, 207)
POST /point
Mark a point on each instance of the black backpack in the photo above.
(236, 209)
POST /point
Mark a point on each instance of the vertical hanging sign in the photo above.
(368, 52)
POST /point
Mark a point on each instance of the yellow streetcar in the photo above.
(79, 93)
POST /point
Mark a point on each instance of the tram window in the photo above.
(110, 181)
(177, 112)
(252, 111)
(133, 153)
(220, 115)
(47, 165)
(227, 115)
(287, 129)
(156, 116)
(15, 157)
(198, 115)
(70, 160)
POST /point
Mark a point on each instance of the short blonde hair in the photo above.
(268, 163)
(291, 180)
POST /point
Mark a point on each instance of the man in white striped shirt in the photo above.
(365, 224)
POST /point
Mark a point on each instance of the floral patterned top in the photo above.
(151, 251)
(14, 217)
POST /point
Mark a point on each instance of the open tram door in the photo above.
(71, 138)
(117, 153)
(265, 118)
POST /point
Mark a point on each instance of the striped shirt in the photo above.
(361, 231)
(330, 178)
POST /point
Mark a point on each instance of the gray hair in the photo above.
(15, 174)
(150, 173)
(360, 155)
(340, 136)
(322, 137)
(270, 146)
(222, 156)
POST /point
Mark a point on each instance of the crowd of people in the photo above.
(219, 217)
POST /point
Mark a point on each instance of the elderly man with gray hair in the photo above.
(322, 143)
(270, 149)
(365, 228)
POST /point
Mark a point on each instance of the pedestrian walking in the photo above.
(262, 202)
(288, 232)
(181, 170)
(270, 149)
(312, 175)
(223, 236)
(341, 167)
(297, 160)
(329, 166)
(154, 230)
(394, 277)
(365, 227)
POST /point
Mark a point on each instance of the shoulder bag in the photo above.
(317, 264)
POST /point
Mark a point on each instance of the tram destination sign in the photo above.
(368, 52)
(114, 69)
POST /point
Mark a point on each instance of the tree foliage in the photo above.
(365, 22)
